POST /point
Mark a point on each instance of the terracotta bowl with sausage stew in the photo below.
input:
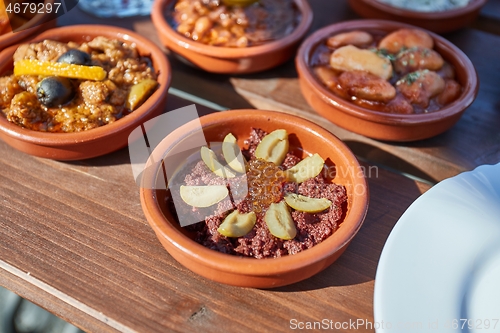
(78, 92)
(232, 36)
(21, 19)
(254, 198)
(386, 80)
(436, 16)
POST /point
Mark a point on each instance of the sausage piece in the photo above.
(420, 86)
(406, 38)
(417, 58)
(367, 86)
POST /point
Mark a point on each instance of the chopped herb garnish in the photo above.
(410, 78)
(384, 53)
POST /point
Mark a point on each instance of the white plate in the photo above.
(440, 268)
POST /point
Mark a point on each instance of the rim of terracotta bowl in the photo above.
(87, 32)
(29, 27)
(163, 27)
(428, 16)
(470, 84)
(242, 265)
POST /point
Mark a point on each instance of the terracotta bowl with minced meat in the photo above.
(72, 135)
(277, 262)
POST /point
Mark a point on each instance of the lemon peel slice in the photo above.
(47, 68)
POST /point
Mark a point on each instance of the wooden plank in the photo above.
(73, 239)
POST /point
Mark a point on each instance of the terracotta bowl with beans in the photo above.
(24, 20)
(386, 80)
(78, 92)
(267, 224)
(440, 20)
(220, 37)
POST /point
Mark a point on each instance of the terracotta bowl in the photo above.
(381, 125)
(40, 22)
(97, 141)
(439, 22)
(230, 60)
(305, 137)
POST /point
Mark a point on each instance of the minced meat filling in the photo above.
(95, 103)
(312, 228)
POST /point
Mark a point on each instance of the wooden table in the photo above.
(74, 240)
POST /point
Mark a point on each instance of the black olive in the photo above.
(55, 91)
(75, 57)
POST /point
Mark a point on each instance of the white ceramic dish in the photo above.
(440, 268)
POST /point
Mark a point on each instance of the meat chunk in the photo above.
(29, 83)
(9, 87)
(447, 72)
(24, 51)
(420, 86)
(367, 86)
(25, 111)
(113, 49)
(130, 71)
(94, 93)
(451, 92)
(399, 105)
(406, 39)
(417, 58)
(48, 50)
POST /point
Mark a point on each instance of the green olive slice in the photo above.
(237, 224)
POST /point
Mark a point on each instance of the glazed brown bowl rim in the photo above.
(131, 120)
(244, 265)
(163, 27)
(464, 101)
(28, 27)
(427, 16)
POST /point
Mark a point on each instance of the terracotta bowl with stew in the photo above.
(437, 21)
(380, 124)
(42, 20)
(230, 60)
(97, 141)
(304, 138)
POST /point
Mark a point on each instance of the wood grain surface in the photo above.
(74, 240)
